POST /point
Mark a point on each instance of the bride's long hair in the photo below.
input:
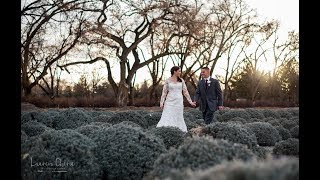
(173, 69)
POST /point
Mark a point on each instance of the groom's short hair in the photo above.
(206, 68)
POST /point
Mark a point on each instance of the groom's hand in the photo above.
(220, 107)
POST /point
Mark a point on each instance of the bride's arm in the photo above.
(164, 93)
(185, 92)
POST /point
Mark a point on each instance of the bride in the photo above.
(172, 101)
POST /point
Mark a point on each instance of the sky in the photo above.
(286, 11)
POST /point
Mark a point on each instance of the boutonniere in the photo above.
(209, 82)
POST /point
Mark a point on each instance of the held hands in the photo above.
(220, 107)
(193, 104)
(161, 106)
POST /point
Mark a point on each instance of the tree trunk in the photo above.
(27, 91)
(152, 95)
(131, 95)
(122, 94)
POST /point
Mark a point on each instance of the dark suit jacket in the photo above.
(211, 95)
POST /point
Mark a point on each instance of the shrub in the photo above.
(43, 117)
(284, 133)
(267, 119)
(270, 113)
(23, 137)
(71, 118)
(288, 147)
(196, 113)
(266, 134)
(129, 116)
(295, 132)
(89, 130)
(125, 152)
(33, 128)
(152, 118)
(198, 153)
(171, 136)
(288, 124)
(217, 114)
(271, 169)
(251, 120)
(254, 113)
(101, 118)
(103, 124)
(238, 119)
(94, 114)
(191, 123)
(295, 119)
(284, 113)
(294, 111)
(275, 122)
(189, 116)
(67, 146)
(227, 116)
(129, 123)
(231, 132)
(259, 151)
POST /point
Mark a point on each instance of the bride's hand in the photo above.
(193, 104)
(161, 106)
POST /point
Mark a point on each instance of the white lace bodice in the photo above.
(174, 90)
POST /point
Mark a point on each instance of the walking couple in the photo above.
(208, 94)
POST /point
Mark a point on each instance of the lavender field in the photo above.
(76, 143)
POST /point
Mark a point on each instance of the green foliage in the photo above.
(284, 133)
(23, 137)
(152, 118)
(284, 113)
(270, 169)
(33, 128)
(103, 124)
(171, 136)
(266, 134)
(254, 113)
(227, 116)
(259, 151)
(89, 130)
(238, 119)
(196, 113)
(71, 118)
(126, 152)
(198, 153)
(288, 147)
(294, 111)
(66, 146)
(270, 113)
(39, 116)
(129, 116)
(231, 132)
(295, 132)
(287, 123)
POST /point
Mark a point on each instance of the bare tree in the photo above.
(50, 29)
(125, 28)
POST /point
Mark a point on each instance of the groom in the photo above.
(210, 95)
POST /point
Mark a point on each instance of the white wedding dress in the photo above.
(172, 99)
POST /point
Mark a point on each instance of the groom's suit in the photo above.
(210, 97)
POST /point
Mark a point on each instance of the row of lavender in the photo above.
(126, 145)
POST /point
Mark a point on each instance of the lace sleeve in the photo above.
(185, 91)
(164, 92)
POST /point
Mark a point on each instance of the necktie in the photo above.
(206, 83)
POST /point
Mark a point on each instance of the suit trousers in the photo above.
(207, 115)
